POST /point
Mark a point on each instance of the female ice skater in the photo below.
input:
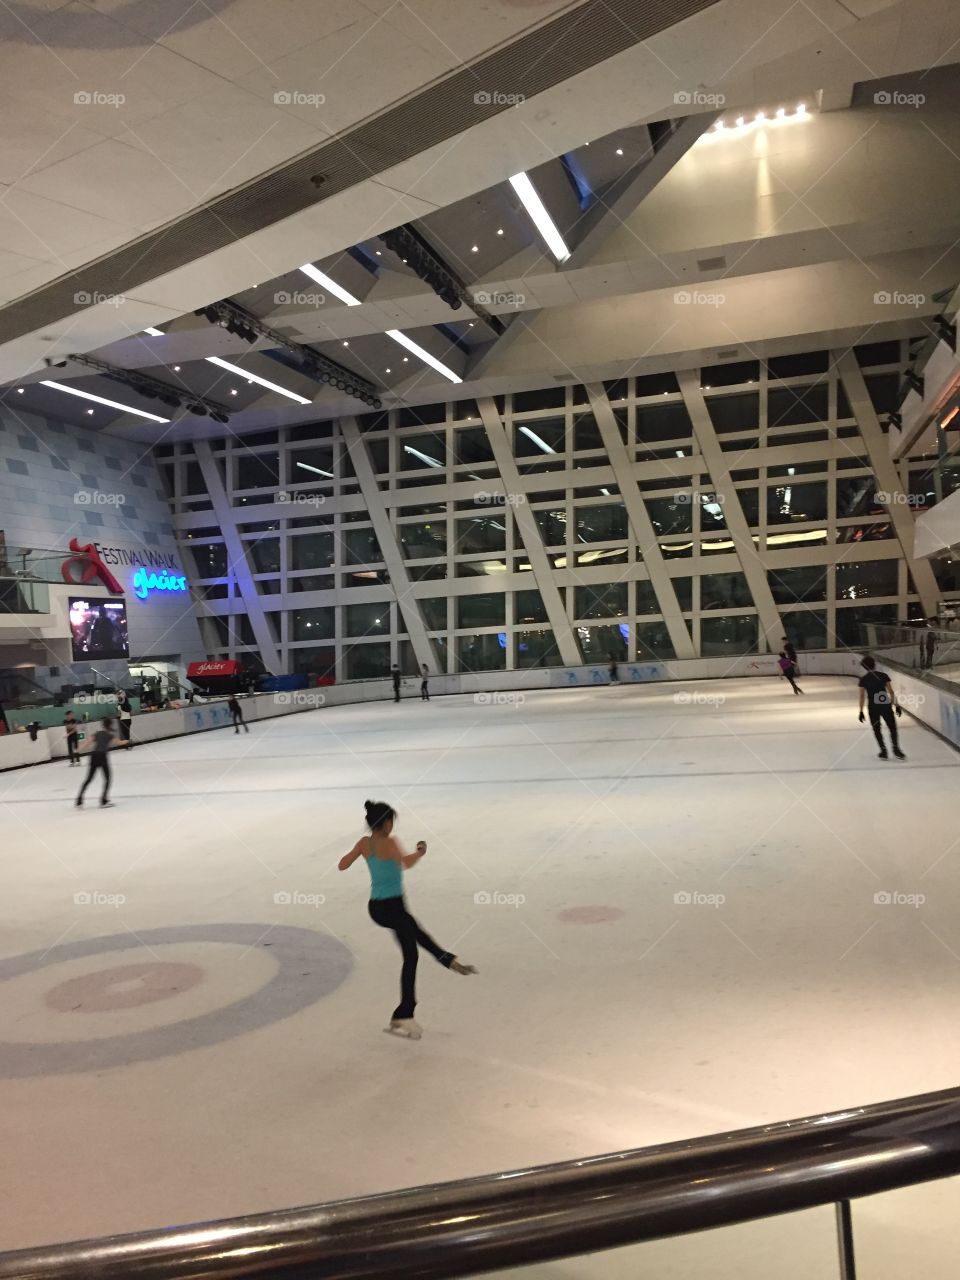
(386, 862)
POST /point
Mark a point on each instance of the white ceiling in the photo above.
(807, 218)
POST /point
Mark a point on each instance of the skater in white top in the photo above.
(386, 862)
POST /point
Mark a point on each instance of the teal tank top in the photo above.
(386, 877)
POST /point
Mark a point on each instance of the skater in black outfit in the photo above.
(73, 738)
(100, 745)
(424, 677)
(236, 712)
(791, 653)
(614, 669)
(395, 674)
(789, 671)
(125, 718)
(877, 691)
(386, 862)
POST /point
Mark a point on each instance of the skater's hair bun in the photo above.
(377, 812)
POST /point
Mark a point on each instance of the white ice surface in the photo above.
(797, 994)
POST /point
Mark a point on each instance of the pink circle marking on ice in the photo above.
(123, 986)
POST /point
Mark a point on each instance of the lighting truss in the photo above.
(153, 389)
(311, 363)
(411, 247)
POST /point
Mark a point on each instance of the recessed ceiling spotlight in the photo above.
(346, 343)
(233, 391)
(89, 411)
(499, 231)
(176, 368)
(475, 248)
(154, 333)
(19, 391)
(619, 151)
(388, 371)
(470, 325)
(379, 253)
(406, 359)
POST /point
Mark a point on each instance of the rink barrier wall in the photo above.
(937, 710)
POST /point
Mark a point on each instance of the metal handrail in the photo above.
(513, 1219)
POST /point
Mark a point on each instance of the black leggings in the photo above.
(884, 713)
(98, 760)
(392, 913)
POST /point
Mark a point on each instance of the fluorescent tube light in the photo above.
(539, 216)
(112, 404)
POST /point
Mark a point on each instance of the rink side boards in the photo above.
(937, 708)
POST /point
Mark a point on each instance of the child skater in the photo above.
(386, 861)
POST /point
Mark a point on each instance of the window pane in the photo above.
(792, 406)
(663, 422)
(367, 661)
(600, 644)
(872, 578)
(720, 637)
(311, 551)
(735, 413)
(265, 555)
(417, 452)
(481, 533)
(724, 591)
(537, 649)
(211, 560)
(312, 624)
(434, 611)
(586, 433)
(849, 622)
(314, 464)
(601, 523)
(653, 641)
(367, 619)
(422, 540)
(795, 502)
(257, 470)
(806, 628)
(552, 526)
(605, 600)
(481, 653)
(526, 437)
(361, 547)
(670, 516)
(792, 585)
(528, 606)
(472, 445)
(482, 611)
(319, 661)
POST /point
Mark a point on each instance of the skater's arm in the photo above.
(411, 859)
(350, 858)
(893, 699)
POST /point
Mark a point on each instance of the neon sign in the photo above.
(144, 582)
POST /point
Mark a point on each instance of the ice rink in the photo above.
(693, 908)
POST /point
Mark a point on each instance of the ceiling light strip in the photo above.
(255, 377)
(112, 404)
(541, 219)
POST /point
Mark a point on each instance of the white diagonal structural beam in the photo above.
(640, 522)
(237, 557)
(888, 478)
(751, 562)
(389, 547)
(530, 534)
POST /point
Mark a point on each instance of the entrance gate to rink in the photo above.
(515, 1219)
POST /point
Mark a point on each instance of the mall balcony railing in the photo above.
(32, 564)
(522, 1218)
(924, 649)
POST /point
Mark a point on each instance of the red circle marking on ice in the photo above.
(124, 986)
(590, 915)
